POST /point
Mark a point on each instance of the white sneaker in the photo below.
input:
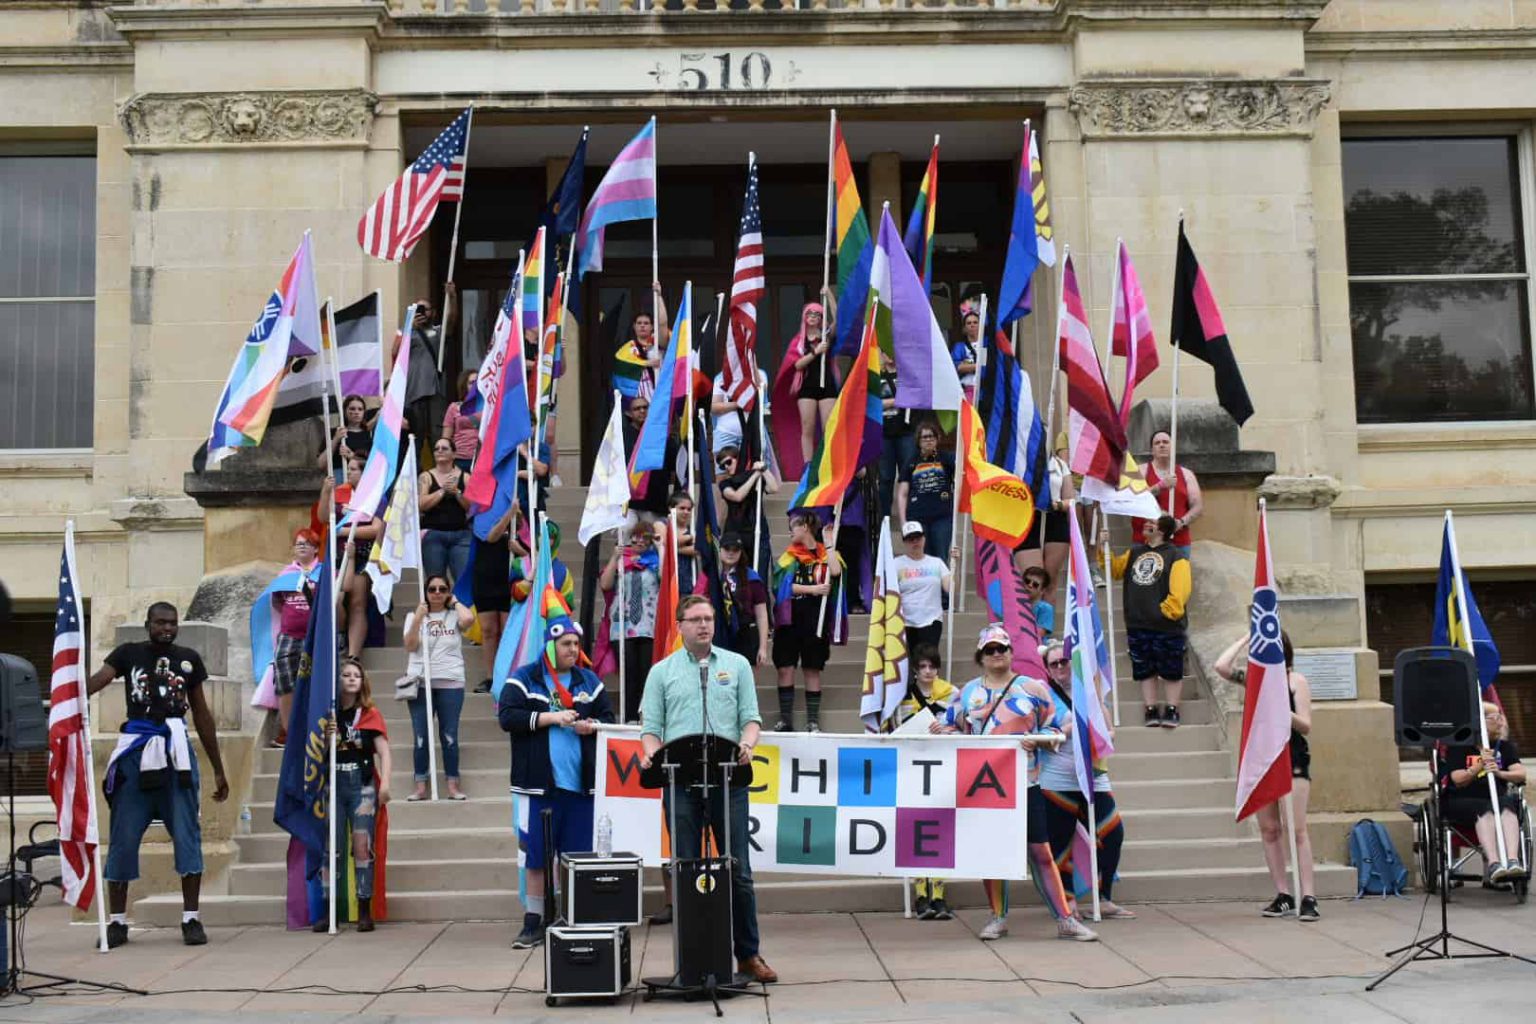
(994, 929)
(1072, 928)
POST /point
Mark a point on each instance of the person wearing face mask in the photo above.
(153, 773)
(549, 707)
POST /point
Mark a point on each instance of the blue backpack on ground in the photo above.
(1378, 869)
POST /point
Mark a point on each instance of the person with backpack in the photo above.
(1233, 667)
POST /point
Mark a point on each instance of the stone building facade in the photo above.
(200, 139)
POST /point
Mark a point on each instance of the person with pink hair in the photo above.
(805, 388)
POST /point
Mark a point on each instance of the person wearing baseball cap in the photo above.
(1001, 702)
(924, 580)
(741, 605)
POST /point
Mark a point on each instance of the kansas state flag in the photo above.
(1458, 626)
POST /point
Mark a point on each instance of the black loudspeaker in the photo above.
(1435, 696)
(23, 725)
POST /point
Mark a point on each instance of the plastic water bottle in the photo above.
(245, 819)
(605, 836)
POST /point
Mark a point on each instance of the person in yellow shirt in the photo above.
(926, 690)
(1157, 587)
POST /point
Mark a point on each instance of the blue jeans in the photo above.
(446, 706)
(895, 452)
(686, 845)
(357, 802)
(134, 808)
(445, 551)
(938, 534)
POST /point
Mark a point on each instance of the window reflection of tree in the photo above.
(1411, 376)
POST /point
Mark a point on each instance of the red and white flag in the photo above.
(1098, 437)
(748, 286)
(69, 777)
(401, 215)
(1264, 758)
(1132, 337)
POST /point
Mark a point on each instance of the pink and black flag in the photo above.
(1264, 758)
(1132, 337)
(1098, 437)
(1198, 329)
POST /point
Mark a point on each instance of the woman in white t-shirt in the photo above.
(728, 414)
(433, 629)
(924, 580)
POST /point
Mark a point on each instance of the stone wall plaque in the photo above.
(248, 118)
(1330, 672)
(1194, 107)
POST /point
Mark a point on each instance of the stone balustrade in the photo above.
(522, 8)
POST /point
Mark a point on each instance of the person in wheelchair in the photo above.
(1464, 795)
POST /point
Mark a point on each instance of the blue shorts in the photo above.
(1155, 653)
(133, 809)
(573, 814)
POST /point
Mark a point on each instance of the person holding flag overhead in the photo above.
(549, 707)
(806, 386)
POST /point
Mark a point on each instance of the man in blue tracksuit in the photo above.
(550, 707)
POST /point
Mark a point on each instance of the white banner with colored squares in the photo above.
(898, 806)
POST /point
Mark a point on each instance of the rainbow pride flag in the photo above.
(533, 287)
(919, 237)
(855, 244)
(852, 436)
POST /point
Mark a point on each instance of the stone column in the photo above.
(884, 187)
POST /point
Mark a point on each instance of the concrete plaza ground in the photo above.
(1178, 962)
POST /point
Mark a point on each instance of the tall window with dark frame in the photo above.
(1439, 302)
(47, 300)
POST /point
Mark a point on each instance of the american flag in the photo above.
(69, 780)
(748, 285)
(398, 218)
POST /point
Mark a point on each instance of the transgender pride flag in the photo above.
(1092, 671)
(384, 459)
(627, 192)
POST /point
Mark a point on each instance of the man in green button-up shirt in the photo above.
(672, 707)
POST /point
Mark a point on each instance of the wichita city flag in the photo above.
(748, 286)
(288, 328)
(1097, 436)
(69, 779)
(1132, 334)
(670, 400)
(853, 433)
(399, 547)
(384, 458)
(885, 660)
(627, 192)
(906, 328)
(925, 209)
(1000, 505)
(607, 503)
(854, 246)
(353, 356)
(1030, 239)
(1264, 758)
(1456, 626)
(1092, 671)
(401, 215)
(1198, 329)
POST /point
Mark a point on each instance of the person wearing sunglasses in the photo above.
(1065, 805)
(433, 634)
(1000, 702)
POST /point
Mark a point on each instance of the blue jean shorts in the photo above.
(133, 809)
(1155, 653)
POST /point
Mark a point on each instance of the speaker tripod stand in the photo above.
(1425, 949)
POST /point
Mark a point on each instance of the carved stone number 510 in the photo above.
(700, 71)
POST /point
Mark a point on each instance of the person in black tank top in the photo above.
(444, 514)
(1233, 667)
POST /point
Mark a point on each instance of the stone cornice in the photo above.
(1179, 108)
(72, 57)
(194, 21)
(1422, 43)
(241, 119)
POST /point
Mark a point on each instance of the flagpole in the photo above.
(821, 613)
(762, 456)
(335, 640)
(981, 368)
(1050, 402)
(1466, 630)
(453, 247)
(330, 336)
(1093, 847)
(84, 701)
(421, 627)
(1173, 415)
(378, 319)
(1109, 634)
(655, 220)
(826, 252)
(687, 390)
(618, 610)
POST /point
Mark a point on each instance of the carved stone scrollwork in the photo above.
(159, 119)
(1198, 107)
